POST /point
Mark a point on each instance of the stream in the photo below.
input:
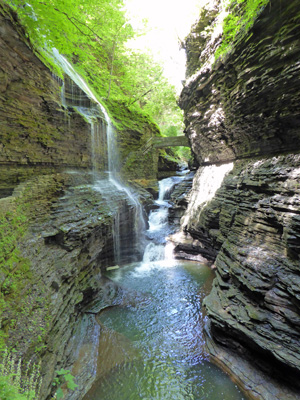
(152, 347)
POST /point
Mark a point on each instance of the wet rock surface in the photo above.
(255, 298)
(179, 199)
(69, 244)
(244, 109)
(256, 382)
(251, 230)
(36, 134)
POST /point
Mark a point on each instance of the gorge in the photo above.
(62, 232)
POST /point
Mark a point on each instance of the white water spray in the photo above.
(103, 137)
(158, 249)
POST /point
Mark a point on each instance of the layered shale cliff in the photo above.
(244, 108)
(56, 228)
(39, 134)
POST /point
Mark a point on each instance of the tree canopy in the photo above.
(93, 34)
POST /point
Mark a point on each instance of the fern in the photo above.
(13, 384)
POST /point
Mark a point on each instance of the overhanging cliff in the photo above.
(248, 103)
(244, 108)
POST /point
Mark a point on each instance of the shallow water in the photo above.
(153, 350)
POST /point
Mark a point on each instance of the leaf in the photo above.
(70, 382)
(59, 394)
(63, 371)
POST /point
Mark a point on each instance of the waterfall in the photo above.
(159, 228)
(206, 182)
(106, 165)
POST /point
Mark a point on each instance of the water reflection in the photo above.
(153, 350)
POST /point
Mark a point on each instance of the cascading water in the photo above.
(106, 165)
(159, 227)
(114, 177)
(152, 346)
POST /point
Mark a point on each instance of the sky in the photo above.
(168, 21)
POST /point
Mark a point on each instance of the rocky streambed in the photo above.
(241, 113)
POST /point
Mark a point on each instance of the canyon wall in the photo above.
(39, 134)
(35, 137)
(244, 108)
(56, 231)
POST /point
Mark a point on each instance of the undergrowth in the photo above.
(242, 14)
(14, 268)
(15, 384)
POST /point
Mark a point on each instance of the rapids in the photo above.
(153, 346)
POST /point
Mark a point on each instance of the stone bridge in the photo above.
(169, 141)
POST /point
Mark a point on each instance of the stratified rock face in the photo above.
(68, 230)
(255, 218)
(251, 229)
(41, 131)
(36, 135)
(69, 242)
(248, 105)
(245, 110)
(179, 199)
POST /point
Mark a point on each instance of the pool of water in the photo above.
(152, 348)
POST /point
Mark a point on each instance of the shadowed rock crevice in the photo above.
(246, 105)
(244, 109)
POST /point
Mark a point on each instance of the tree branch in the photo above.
(142, 95)
(72, 19)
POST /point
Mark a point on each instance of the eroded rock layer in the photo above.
(68, 243)
(35, 135)
(245, 109)
(254, 221)
(58, 232)
(249, 103)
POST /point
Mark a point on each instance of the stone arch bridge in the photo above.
(169, 141)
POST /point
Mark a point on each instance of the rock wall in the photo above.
(68, 243)
(247, 104)
(35, 135)
(56, 230)
(39, 134)
(244, 109)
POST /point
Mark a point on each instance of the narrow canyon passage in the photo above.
(152, 347)
(90, 123)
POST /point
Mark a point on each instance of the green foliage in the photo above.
(242, 14)
(8, 391)
(15, 385)
(93, 34)
(90, 33)
(129, 117)
(64, 377)
(184, 154)
(14, 268)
